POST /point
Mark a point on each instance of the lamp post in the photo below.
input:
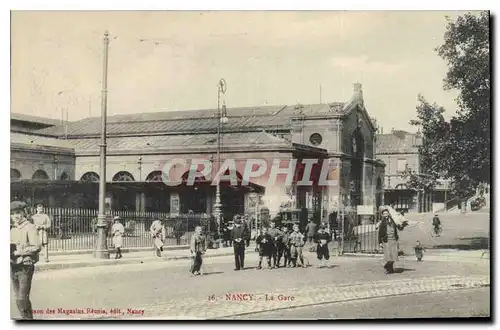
(101, 249)
(221, 119)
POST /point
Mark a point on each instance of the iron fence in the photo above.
(356, 237)
(76, 229)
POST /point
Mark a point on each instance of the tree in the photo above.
(467, 52)
(459, 149)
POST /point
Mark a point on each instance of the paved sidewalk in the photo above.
(88, 260)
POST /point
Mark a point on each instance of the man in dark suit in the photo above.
(240, 237)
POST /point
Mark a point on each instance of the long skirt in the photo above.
(117, 241)
(391, 250)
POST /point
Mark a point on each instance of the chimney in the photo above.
(358, 92)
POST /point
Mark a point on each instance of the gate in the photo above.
(356, 237)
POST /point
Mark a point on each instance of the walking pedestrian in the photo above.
(311, 229)
(24, 250)
(158, 233)
(198, 249)
(117, 230)
(178, 232)
(265, 242)
(296, 242)
(239, 236)
(388, 238)
(419, 251)
(322, 239)
(42, 223)
(275, 234)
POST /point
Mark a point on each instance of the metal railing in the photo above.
(75, 229)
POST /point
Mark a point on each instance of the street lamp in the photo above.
(101, 248)
(221, 119)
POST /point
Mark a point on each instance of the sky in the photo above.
(161, 61)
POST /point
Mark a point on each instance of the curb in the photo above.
(111, 262)
(126, 250)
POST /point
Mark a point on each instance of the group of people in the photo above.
(274, 244)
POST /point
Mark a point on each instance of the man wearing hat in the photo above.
(24, 249)
(42, 224)
(239, 236)
(117, 230)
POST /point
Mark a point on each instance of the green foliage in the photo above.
(459, 149)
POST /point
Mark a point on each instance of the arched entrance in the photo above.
(40, 175)
(90, 177)
(357, 162)
(232, 197)
(156, 197)
(15, 174)
(193, 197)
(124, 199)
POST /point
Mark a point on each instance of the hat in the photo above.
(117, 217)
(383, 208)
(17, 205)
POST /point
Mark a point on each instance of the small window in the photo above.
(401, 165)
(316, 139)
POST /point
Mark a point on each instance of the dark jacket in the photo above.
(382, 230)
(240, 232)
(311, 229)
(319, 236)
(436, 221)
(266, 247)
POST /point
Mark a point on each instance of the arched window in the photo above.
(155, 176)
(40, 175)
(123, 176)
(90, 177)
(15, 174)
(401, 187)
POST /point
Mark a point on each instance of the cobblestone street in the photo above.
(164, 289)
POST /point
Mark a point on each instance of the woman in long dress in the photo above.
(117, 231)
(158, 233)
(388, 238)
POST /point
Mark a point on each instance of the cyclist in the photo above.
(437, 224)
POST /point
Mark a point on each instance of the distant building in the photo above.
(399, 150)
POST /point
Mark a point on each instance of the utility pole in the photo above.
(101, 250)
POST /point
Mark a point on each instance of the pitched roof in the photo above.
(34, 119)
(190, 121)
(396, 142)
(36, 140)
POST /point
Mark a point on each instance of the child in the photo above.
(275, 234)
(198, 248)
(265, 243)
(322, 238)
(283, 248)
(117, 231)
(297, 241)
(419, 252)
